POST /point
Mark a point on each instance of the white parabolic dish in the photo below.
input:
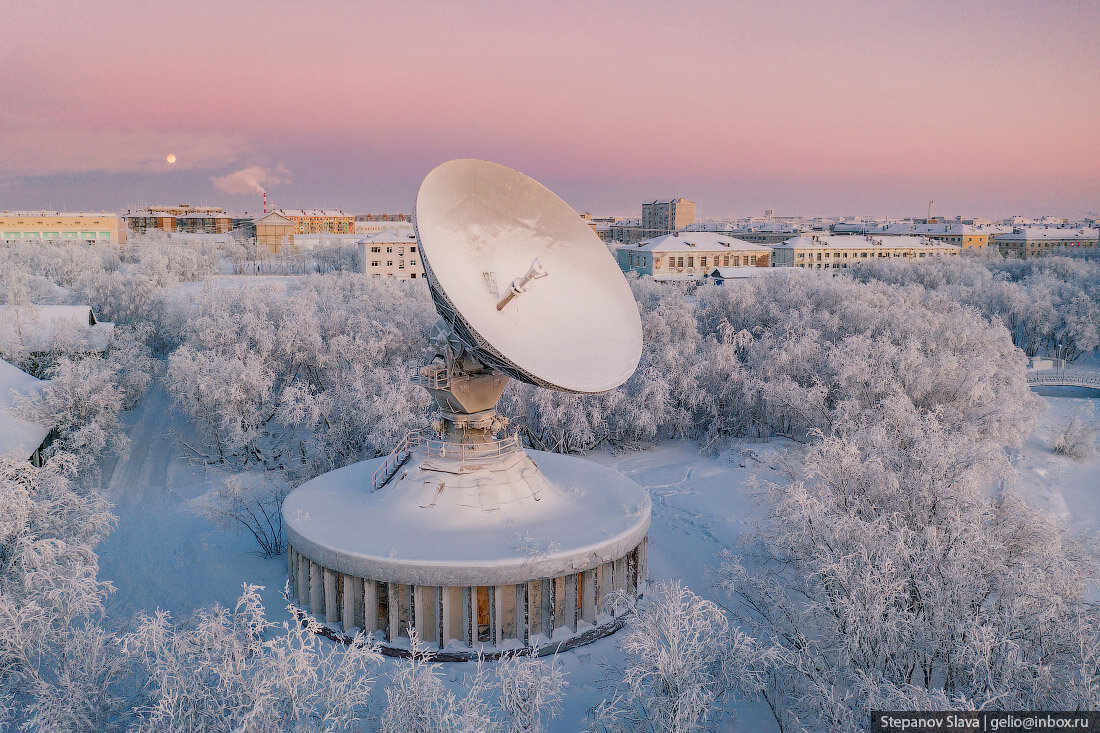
(481, 225)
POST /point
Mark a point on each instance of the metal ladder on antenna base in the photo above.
(394, 461)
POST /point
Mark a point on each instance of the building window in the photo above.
(375, 249)
(389, 263)
(374, 263)
(389, 250)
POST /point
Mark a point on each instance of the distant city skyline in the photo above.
(854, 108)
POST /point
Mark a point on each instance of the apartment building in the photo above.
(668, 216)
(392, 253)
(834, 252)
(38, 226)
(273, 230)
(319, 221)
(689, 255)
(1027, 242)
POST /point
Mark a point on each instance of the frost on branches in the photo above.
(685, 665)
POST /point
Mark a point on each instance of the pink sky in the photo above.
(843, 107)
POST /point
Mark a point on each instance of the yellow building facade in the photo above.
(839, 252)
(319, 221)
(62, 227)
(274, 230)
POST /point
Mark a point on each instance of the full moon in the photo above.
(171, 158)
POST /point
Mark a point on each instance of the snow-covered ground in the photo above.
(162, 554)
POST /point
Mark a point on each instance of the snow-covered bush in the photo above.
(528, 693)
(230, 670)
(889, 568)
(82, 402)
(57, 667)
(684, 665)
(1076, 437)
(253, 501)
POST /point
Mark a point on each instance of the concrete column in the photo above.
(632, 573)
(352, 603)
(521, 614)
(620, 574)
(643, 565)
(603, 587)
(332, 608)
(303, 581)
(534, 610)
(588, 597)
(292, 570)
(395, 612)
(370, 606)
(316, 589)
(448, 612)
(469, 616)
(571, 601)
(549, 607)
(497, 615)
(420, 613)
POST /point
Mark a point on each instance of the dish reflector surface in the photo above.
(481, 226)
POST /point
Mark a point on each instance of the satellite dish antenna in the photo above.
(523, 285)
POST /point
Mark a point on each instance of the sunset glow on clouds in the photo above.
(846, 108)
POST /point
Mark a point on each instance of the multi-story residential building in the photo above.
(273, 230)
(689, 255)
(833, 252)
(392, 253)
(667, 217)
(963, 235)
(182, 218)
(57, 226)
(1029, 242)
(319, 221)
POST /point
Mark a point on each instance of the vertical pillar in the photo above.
(548, 608)
(534, 611)
(603, 587)
(571, 601)
(352, 603)
(332, 610)
(303, 581)
(292, 570)
(498, 614)
(643, 565)
(588, 596)
(469, 615)
(620, 574)
(316, 589)
(521, 614)
(420, 613)
(632, 573)
(447, 613)
(370, 606)
(395, 605)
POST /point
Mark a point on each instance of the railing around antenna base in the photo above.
(439, 449)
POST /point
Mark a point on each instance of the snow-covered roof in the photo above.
(1048, 233)
(314, 212)
(71, 328)
(16, 434)
(853, 241)
(391, 236)
(273, 217)
(696, 242)
(740, 273)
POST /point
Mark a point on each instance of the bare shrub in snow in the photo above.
(253, 501)
(1076, 437)
(531, 692)
(684, 665)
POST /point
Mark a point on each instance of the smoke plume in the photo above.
(251, 179)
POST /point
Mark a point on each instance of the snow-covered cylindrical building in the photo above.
(461, 536)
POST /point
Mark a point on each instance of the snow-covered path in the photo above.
(162, 554)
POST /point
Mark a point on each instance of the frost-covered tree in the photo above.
(889, 568)
(684, 664)
(57, 667)
(1076, 437)
(231, 670)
